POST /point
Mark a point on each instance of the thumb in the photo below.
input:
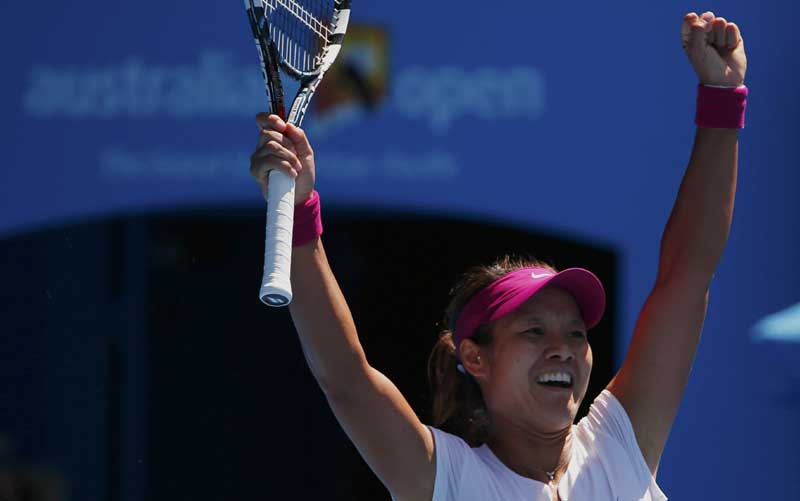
(299, 139)
(693, 32)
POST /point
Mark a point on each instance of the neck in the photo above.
(531, 453)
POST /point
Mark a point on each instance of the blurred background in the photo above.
(136, 361)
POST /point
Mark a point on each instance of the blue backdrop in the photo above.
(575, 118)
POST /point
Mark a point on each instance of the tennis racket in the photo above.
(298, 39)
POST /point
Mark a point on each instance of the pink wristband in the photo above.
(307, 221)
(720, 107)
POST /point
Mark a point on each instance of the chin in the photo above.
(561, 422)
(567, 415)
(562, 416)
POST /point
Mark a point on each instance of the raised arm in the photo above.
(369, 407)
(652, 379)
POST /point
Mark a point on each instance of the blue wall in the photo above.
(581, 124)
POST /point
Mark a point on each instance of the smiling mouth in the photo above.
(555, 380)
(557, 385)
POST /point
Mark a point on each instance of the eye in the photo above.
(577, 334)
(534, 330)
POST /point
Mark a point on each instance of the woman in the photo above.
(512, 370)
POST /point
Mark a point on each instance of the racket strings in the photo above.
(300, 30)
(306, 17)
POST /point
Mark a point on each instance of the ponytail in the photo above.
(458, 405)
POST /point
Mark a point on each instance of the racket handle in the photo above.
(276, 287)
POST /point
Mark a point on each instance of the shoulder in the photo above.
(450, 450)
(607, 425)
(461, 472)
(606, 444)
(607, 416)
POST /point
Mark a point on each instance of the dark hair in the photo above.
(458, 405)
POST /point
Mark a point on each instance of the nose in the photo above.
(558, 349)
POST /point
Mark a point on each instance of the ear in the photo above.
(474, 359)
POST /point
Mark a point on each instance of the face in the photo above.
(536, 369)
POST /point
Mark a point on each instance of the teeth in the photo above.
(558, 377)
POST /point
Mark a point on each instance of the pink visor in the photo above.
(508, 292)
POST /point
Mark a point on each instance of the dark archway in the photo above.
(246, 375)
(140, 364)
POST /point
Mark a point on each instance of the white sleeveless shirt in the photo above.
(606, 464)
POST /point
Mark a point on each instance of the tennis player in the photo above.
(513, 367)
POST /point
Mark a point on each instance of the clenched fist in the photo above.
(283, 147)
(715, 49)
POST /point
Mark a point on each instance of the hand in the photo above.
(715, 49)
(284, 147)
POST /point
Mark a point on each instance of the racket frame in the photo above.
(276, 285)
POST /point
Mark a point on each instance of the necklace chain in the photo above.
(551, 475)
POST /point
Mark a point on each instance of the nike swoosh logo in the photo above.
(534, 275)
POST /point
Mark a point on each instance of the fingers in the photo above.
(272, 155)
(268, 135)
(270, 121)
(299, 140)
(272, 129)
(707, 16)
(271, 124)
(717, 35)
(281, 146)
(694, 30)
(732, 36)
(726, 36)
(709, 29)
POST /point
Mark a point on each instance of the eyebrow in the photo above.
(530, 317)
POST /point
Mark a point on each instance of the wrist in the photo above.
(307, 220)
(721, 107)
(302, 198)
(723, 86)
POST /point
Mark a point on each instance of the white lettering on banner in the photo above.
(434, 165)
(446, 94)
(215, 87)
(132, 89)
(122, 164)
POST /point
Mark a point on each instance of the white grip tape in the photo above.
(276, 287)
